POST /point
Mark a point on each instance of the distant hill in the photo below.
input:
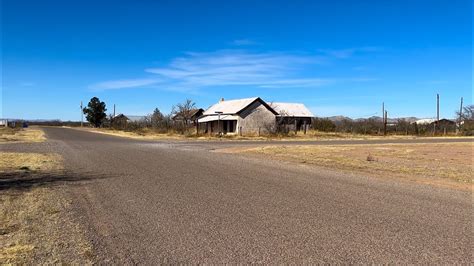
(340, 118)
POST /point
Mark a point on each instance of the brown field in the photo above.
(142, 134)
(441, 163)
(150, 134)
(35, 224)
(19, 135)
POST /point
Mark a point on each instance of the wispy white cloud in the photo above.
(244, 42)
(123, 83)
(194, 71)
(349, 52)
(237, 67)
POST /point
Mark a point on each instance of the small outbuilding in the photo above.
(188, 117)
(3, 122)
(122, 120)
(294, 115)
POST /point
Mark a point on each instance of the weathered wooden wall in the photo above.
(256, 118)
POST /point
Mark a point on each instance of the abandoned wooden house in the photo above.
(253, 116)
(121, 120)
(189, 116)
(242, 116)
(295, 116)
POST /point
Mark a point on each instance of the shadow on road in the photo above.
(27, 179)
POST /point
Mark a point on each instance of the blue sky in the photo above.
(337, 57)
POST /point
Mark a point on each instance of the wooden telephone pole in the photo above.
(437, 108)
(82, 115)
(460, 116)
(383, 117)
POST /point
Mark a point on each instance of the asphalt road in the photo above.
(145, 202)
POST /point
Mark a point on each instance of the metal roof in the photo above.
(136, 118)
(428, 121)
(425, 121)
(230, 106)
(292, 109)
(216, 117)
(133, 118)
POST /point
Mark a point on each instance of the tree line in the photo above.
(179, 121)
(463, 125)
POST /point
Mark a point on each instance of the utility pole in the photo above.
(437, 113)
(385, 123)
(82, 115)
(460, 115)
(114, 109)
(383, 115)
(437, 108)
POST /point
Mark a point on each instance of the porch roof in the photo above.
(210, 118)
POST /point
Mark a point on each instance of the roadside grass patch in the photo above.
(8, 135)
(14, 161)
(35, 224)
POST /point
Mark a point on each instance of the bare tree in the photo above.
(466, 123)
(184, 111)
(467, 114)
(182, 115)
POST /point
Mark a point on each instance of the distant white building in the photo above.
(3, 122)
(429, 121)
(425, 121)
(131, 118)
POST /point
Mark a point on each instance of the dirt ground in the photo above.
(447, 164)
(19, 135)
(311, 135)
(36, 224)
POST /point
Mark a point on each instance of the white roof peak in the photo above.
(291, 109)
(230, 106)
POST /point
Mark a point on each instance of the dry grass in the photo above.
(310, 135)
(431, 162)
(19, 135)
(144, 134)
(35, 222)
(35, 229)
(12, 161)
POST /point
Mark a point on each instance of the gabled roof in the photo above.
(428, 121)
(292, 109)
(235, 106)
(132, 118)
(425, 121)
(192, 113)
(136, 118)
